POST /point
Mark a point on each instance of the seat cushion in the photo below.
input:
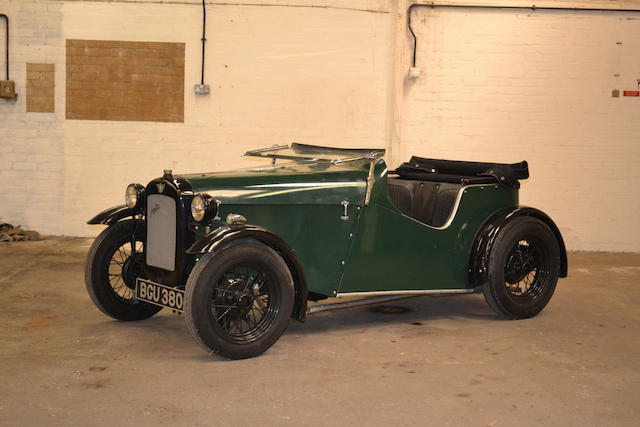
(428, 202)
(401, 195)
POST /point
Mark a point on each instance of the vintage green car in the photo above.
(241, 252)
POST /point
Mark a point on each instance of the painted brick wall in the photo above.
(496, 86)
(40, 88)
(277, 74)
(501, 85)
(121, 80)
(32, 144)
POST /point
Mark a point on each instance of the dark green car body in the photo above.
(377, 248)
(241, 252)
(331, 216)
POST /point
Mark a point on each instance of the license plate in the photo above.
(158, 294)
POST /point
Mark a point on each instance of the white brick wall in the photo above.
(270, 70)
(496, 85)
(510, 85)
(278, 74)
(31, 144)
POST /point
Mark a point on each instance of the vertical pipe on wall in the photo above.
(204, 39)
(2, 15)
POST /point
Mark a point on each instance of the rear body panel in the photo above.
(394, 252)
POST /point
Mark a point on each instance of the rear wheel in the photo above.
(523, 269)
(114, 262)
(238, 302)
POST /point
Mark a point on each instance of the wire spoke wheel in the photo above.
(114, 262)
(238, 300)
(523, 269)
(125, 266)
(241, 305)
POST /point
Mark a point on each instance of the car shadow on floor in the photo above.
(168, 329)
(412, 311)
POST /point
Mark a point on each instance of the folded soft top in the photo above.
(461, 172)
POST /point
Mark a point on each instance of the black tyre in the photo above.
(111, 271)
(239, 300)
(523, 269)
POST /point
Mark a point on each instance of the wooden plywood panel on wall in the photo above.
(40, 88)
(125, 80)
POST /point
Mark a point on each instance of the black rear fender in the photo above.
(481, 249)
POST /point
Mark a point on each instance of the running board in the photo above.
(381, 296)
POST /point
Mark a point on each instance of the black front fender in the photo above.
(112, 215)
(479, 258)
(222, 236)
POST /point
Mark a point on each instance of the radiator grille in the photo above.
(161, 232)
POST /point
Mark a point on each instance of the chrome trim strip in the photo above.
(454, 211)
(374, 155)
(264, 150)
(406, 292)
(371, 180)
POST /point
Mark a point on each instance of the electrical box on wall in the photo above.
(202, 89)
(8, 89)
(415, 72)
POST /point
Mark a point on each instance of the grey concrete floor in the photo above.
(441, 362)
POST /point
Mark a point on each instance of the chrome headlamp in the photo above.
(133, 196)
(203, 207)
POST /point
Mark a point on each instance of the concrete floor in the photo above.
(441, 362)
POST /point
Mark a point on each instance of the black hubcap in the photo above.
(243, 304)
(526, 268)
(132, 269)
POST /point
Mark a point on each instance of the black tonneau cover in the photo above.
(460, 172)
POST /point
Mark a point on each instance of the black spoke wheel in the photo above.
(239, 300)
(523, 269)
(114, 262)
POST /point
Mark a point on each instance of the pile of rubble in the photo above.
(10, 233)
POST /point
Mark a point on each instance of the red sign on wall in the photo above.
(631, 93)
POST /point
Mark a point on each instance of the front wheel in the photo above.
(238, 301)
(523, 269)
(114, 262)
